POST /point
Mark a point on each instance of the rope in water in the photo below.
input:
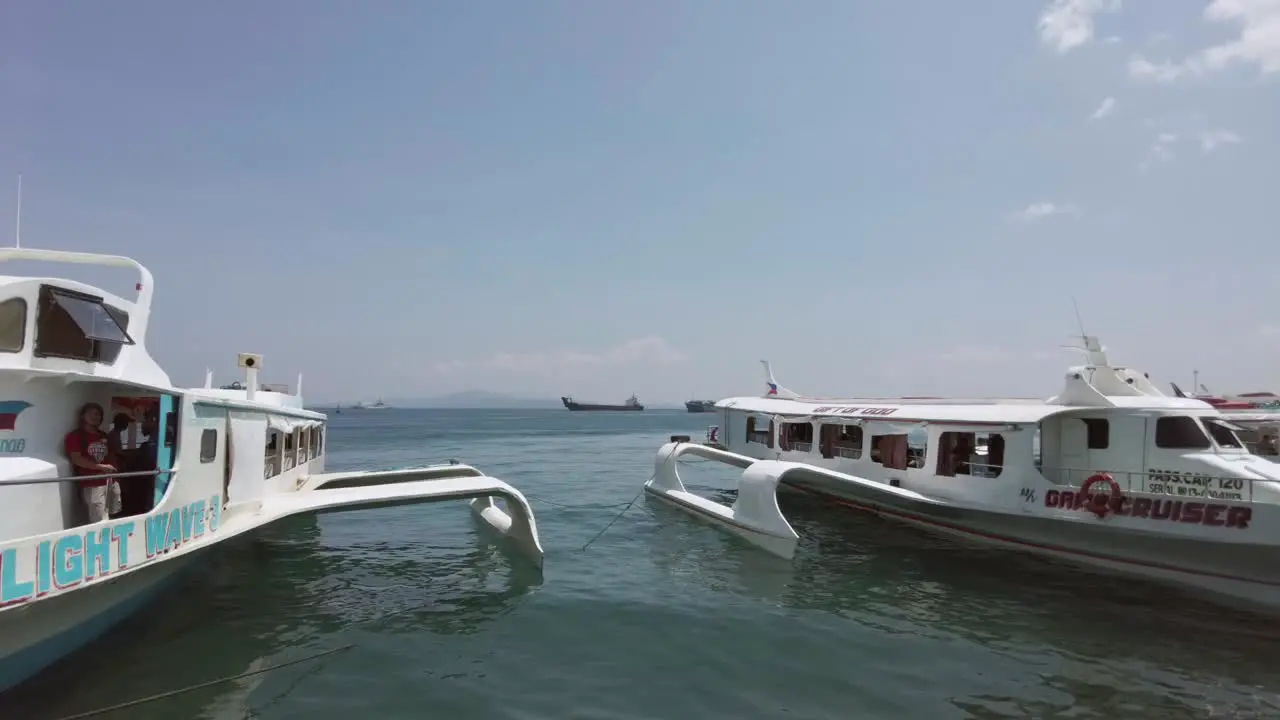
(201, 686)
(220, 681)
(617, 517)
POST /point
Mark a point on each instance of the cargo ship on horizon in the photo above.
(632, 404)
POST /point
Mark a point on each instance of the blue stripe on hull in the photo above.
(29, 661)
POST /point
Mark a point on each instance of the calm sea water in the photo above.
(662, 617)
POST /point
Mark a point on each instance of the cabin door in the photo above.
(246, 463)
(1074, 462)
(165, 451)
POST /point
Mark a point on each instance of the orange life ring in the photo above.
(1100, 505)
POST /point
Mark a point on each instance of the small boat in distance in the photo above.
(632, 404)
(700, 406)
(195, 468)
(1109, 473)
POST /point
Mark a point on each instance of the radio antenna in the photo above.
(1080, 323)
(17, 230)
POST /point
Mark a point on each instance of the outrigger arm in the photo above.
(341, 491)
(755, 515)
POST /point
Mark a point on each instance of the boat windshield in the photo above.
(1224, 434)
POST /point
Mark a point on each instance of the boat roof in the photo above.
(133, 366)
(1096, 386)
(263, 401)
(976, 411)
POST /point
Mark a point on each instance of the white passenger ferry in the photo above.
(194, 467)
(1109, 473)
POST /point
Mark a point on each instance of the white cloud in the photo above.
(1041, 210)
(1257, 44)
(1259, 41)
(1065, 25)
(1269, 332)
(1211, 139)
(1160, 152)
(650, 350)
(1106, 108)
(1164, 72)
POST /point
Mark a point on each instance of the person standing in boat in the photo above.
(88, 449)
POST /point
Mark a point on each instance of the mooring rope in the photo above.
(221, 681)
(201, 686)
(618, 517)
(583, 506)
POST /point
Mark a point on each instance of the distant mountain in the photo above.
(475, 399)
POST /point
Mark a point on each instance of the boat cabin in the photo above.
(1106, 419)
(65, 347)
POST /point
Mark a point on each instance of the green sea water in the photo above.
(661, 617)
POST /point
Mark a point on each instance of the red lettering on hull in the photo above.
(1192, 513)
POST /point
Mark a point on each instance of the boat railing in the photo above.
(1171, 483)
(82, 478)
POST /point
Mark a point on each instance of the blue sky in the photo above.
(595, 198)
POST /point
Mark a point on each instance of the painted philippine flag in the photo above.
(9, 412)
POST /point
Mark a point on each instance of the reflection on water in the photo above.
(213, 625)
(1118, 647)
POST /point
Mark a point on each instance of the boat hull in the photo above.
(1246, 571)
(698, 406)
(36, 636)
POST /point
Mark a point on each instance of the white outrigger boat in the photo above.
(1109, 473)
(224, 462)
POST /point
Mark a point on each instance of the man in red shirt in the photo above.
(88, 450)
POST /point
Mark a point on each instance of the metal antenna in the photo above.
(17, 231)
(1079, 322)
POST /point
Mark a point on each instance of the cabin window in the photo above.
(1098, 433)
(1268, 445)
(170, 429)
(272, 467)
(75, 325)
(318, 445)
(208, 445)
(891, 451)
(917, 448)
(108, 352)
(843, 441)
(760, 430)
(13, 325)
(1180, 433)
(1222, 434)
(970, 453)
(290, 450)
(796, 436)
